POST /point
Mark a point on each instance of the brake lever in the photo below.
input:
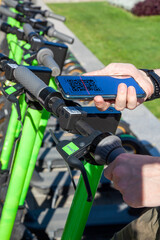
(76, 163)
(11, 93)
(73, 151)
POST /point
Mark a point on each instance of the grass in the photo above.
(115, 35)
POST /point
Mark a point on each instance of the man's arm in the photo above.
(126, 97)
(137, 177)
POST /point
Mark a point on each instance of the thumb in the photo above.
(109, 170)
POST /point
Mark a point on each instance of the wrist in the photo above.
(147, 84)
(154, 76)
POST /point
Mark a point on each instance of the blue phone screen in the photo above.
(95, 85)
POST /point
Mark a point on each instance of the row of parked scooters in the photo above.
(36, 184)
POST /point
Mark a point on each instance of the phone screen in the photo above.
(87, 87)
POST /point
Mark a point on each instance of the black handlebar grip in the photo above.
(29, 80)
(108, 149)
(55, 16)
(40, 17)
(10, 3)
(27, 29)
(7, 12)
(61, 36)
(45, 57)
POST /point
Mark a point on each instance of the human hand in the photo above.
(137, 177)
(126, 97)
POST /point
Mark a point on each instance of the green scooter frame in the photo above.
(80, 208)
(19, 171)
(14, 126)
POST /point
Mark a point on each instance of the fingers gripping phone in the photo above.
(87, 87)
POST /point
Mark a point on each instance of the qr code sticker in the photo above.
(89, 85)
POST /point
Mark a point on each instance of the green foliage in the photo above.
(115, 35)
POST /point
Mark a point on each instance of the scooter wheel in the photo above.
(132, 145)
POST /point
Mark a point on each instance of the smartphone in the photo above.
(87, 87)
